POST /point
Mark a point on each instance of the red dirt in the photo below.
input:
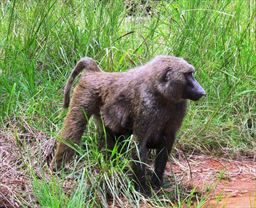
(232, 183)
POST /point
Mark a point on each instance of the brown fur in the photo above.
(146, 101)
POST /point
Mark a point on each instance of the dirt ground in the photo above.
(232, 184)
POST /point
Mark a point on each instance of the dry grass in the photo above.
(22, 149)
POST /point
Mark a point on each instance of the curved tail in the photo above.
(84, 63)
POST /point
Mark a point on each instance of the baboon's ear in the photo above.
(116, 115)
(167, 75)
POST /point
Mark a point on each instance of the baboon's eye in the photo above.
(188, 74)
(189, 77)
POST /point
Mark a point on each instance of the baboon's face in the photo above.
(177, 82)
(193, 89)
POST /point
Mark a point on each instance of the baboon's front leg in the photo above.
(162, 154)
(105, 137)
(73, 128)
(139, 168)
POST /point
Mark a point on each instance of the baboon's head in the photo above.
(175, 80)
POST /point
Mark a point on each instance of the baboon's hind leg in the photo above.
(73, 128)
(72, 131)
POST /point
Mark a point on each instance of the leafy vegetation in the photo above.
(40, 41)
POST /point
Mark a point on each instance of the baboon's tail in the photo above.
(84, 63)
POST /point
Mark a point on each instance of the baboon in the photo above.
(148, 102)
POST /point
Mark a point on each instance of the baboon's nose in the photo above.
(202, 93)
(198, 93)
(199, 90)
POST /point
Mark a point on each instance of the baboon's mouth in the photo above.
(196, 97)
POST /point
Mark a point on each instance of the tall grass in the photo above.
(40, 41)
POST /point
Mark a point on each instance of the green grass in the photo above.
(40, 41)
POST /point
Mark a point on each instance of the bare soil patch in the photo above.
(231, 183)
